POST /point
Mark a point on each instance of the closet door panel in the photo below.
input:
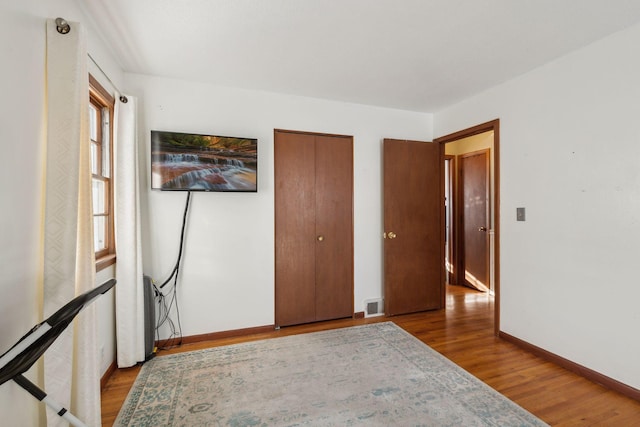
(334, 227)
(294, 170)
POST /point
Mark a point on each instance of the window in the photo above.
(100, 129)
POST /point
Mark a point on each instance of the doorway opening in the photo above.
(472, 215)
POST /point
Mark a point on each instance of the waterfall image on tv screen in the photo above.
(194, 162)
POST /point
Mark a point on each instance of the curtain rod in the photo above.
(122, 97)
(63, 27)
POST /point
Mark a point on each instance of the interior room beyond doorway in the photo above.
(470, 212)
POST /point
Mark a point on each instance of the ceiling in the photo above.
(418, 55)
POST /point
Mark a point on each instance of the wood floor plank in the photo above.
(464, 333)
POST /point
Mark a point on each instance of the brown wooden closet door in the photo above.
(334, 227)
(314, 227)
(295, 228)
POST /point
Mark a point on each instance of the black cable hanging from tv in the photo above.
(164, 308)
(176, 269)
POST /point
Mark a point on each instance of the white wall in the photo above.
(227, 279)
(22, 136)
(570, 154)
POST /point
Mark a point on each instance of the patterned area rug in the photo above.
(371, 375)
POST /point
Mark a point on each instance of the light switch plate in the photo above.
(520, 214)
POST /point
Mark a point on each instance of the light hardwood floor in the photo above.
(463, 333)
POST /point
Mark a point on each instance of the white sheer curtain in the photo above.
(71, 365)
(129, 290)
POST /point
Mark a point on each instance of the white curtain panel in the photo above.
(129, 290)
(71, 365)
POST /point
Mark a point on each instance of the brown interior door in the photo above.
(334, 227)
(313, 227)
(475, 218)
(414, 226)
(294, 228)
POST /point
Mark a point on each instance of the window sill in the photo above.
(105, 261)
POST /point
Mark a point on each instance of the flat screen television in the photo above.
(196, 162)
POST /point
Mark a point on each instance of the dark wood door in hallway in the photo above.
(474, 184)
